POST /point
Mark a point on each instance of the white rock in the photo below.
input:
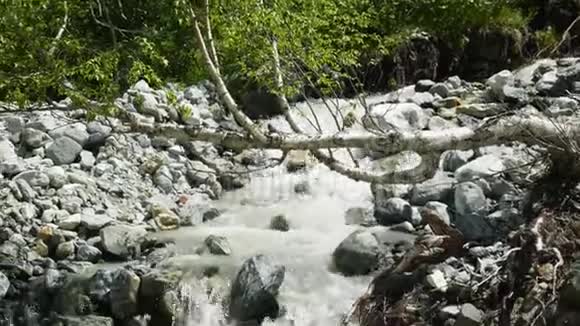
(401, 116)
(437, 281)
(482, 167)
(7, 151)
(70, 222)
(499, 80)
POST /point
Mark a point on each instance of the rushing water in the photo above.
(312, 294)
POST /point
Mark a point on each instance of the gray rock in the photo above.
(515, 94)
(142, 86)
(122, 240)
(195, 94)
(547, 85)
(148, 105)
(87, 160)
(65, 250)
(87, 252)
(439, 188)
(358, 216)
(124, 294)
(482, 110)
(454, 81)
(424, 85)
(454, 159)
(302, 187)
(34, 178)
(447, 102)
(11, 167)
(471, 207)
(53, 215)
(386, 191)
(25, 190)
(76, 131)
(469, 315)
(280, 223)
(99, 287)
(423, 99)
(526, 76)
(13, 124)
(470, 199)
(254, 291)
(70, 222)
(95, 222)
(57, 175)
(566, 77)
(34, 138)
(404, 227)
(163, 178)
(501, 187)
(218, 245)
(4, 285)
(89, 320)
(440, 89)
(441, 210)
(438, 123)
(437, 281)
(156, 295)
(401, 116)
(392, 211)
(7, 151)
(44, 122)
(358, 254)
(210, 214)
(498, 81)
(484, 167)
(63, 150)
(95, 127)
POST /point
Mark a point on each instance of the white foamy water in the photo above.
(312, 294)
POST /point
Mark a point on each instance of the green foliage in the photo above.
(108, 45)
(185, 112)
(138, 102)
(547, 38)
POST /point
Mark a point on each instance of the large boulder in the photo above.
(123, 241)
(471, 210)
(392, 211)
(218, 245)
(499, 81)
(439, 188)
(396, 116)
(63, 150)
(358, 254)
(254, 291)
(158, 296)
(124, 294)
(76, 131)
(34, 138)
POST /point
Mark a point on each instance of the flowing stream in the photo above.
(312, 293)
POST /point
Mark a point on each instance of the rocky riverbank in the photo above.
(82, 202)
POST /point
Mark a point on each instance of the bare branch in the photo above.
(221, 87)
(209, 36)
(60, 31)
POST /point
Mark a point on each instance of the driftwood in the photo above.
(524, 288)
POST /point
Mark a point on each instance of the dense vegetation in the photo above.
(50, 48)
